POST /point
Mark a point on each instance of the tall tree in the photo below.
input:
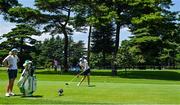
(103, 40)
(59, 13)
(126, 58)
(21, 37)
(55, 16)
(86, 9)
(5, 5)
(170, 40)
(151, 31)
(52, 48)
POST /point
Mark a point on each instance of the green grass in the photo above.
(133, 87)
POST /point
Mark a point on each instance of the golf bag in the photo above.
(27, 81)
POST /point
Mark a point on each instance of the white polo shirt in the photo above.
(84, 64)
(12, 60)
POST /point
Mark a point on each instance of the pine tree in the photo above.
(103, 40)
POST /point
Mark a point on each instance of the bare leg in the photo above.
(11, 85)
(8, 86)
(81, 80)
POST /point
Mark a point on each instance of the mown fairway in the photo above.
(137, 87)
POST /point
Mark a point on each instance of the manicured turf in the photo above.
(135, 87)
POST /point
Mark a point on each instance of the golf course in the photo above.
(132, 87)
(90, 52)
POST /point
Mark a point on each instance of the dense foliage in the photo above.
(52, 49)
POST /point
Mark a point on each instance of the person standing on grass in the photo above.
(55, 64)
(86, 70)
(11, 63)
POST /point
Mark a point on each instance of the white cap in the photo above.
(84, 56)
(80, 59)
(14, 49)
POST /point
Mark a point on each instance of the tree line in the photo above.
(155, 29)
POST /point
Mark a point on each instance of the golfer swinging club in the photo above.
(86, 70)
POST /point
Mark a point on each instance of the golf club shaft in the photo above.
(76, 76)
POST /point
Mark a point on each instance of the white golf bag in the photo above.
(27, 81)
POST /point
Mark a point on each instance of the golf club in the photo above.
(61, 91)
(67, 83)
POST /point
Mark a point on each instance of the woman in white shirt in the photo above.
(86, 70)
(11, 63)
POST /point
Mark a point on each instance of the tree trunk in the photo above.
(104, 59)
(89, 40)
(117, 37)
(66, 41)
(21, 54)
(21, 44)
(114, 70)
(65, 50)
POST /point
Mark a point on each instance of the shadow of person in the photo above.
(33, 96)
(91, 85)
(17, 94)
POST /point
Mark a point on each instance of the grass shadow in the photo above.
(33, 96)
(92, 86)
(134, 74)
(18, 95)
(157, 75)
(101, 73)
(54, 72)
